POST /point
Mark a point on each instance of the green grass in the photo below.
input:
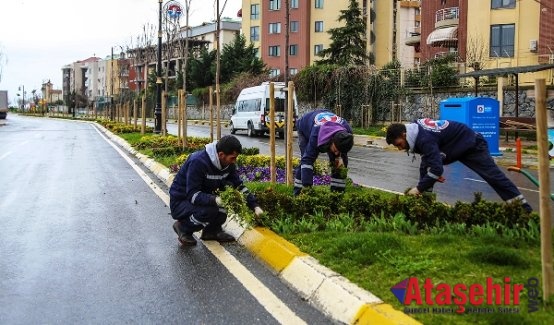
(373, 130)
(377, 261)
(132, 138)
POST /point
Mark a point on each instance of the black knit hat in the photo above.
(343, 141)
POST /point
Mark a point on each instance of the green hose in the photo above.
(528, 175)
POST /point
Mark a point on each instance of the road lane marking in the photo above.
(159, 192)
(265, 297)
(9, 152)
(482, 181)
(276, 308)
(475, 180)
(5, 155)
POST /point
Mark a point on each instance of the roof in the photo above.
(506, 71)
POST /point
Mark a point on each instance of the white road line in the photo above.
(139, 171)
(265, 297)
(257, 289)
(475, 180)
(5, 155)
(482, 181)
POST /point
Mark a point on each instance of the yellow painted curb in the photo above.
(271, 248)
(382, 314)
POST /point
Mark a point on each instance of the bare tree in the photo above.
(476, 51)
(184, 54)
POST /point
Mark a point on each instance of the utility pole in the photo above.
(217, 72)
(158, 110)
(287, 22)
(112, 113)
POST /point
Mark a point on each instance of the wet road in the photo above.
(85, 240)
(394, 170)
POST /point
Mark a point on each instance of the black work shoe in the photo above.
(184, 238)
(221, 236)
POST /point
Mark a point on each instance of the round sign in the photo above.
(173, 10)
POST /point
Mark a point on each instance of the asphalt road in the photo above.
(84, 239)
(394, 170)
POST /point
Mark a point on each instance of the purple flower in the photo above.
(263, 174)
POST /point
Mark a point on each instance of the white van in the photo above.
(251, 112)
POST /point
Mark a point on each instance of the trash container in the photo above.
(479, 113)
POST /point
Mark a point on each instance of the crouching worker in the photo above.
(322, 131)
(442, 142)
(193, 200)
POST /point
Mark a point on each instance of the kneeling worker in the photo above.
(442, 142)
(322, 131)
(192, 196)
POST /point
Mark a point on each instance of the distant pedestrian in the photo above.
(322, 131)
(442, 142)
(193, 198)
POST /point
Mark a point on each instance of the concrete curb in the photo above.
(329, 292)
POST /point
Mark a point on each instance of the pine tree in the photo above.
(348, 43)
(237, 57)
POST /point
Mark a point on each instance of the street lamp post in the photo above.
(158, 110)
(22, 89)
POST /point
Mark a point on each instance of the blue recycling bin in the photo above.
(482, 114)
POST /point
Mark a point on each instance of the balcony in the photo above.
(413, 36)
(443, 37)
(447, 17)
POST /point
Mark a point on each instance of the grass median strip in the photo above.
(381, 240)
(377, 261)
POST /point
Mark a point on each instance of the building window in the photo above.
(502, 41)
(293, 71)
(294, 26)
(254, 33)
(274, 72)
(318, 48)
(497, 4)
(319, 4)
(275, 28)
(318, 26)
(255, 12)
(274, 4)
(275, 50)
(294, 3)
(293, 49)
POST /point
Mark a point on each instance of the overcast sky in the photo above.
(39, 37)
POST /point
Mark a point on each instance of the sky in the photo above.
(39, 37)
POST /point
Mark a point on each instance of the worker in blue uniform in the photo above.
(322, 131)
(193, 198)
(442, 142)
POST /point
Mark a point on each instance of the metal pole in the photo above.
(290, 126)
(158, 109)
(272, 167)
(112, 111)
(217, 71)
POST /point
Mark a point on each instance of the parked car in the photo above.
(251, 111)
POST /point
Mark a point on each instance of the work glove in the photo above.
(218, 201)
(258, 211)
(413, 191)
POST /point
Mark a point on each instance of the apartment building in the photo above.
(486, 34)
(143, 59)
(75, 77)
(264, 25)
